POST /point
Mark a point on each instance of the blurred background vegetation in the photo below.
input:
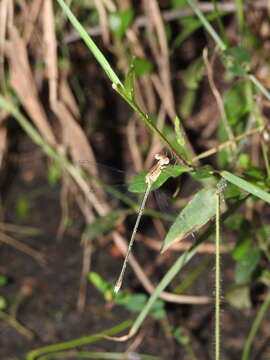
(80, 117)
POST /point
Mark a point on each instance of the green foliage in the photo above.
(120, 21)
(104, 224)
(3, 280)
(178, 3)
(236, 103)
(3, 303)
(138, 184)
(54, 173)
(200, 209)
(179, 335)
(237, 60)
(132, 302)
(23, 207)
(142, 66)
(247, 259)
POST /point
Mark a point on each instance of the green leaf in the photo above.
(194, 74)
(241, 248)
(244, 161)
(134, 302)
(99, 283)
(204, 174)
(265, 277)
(23, 207)
(120, 21)
(3, 303)
(179, 3)
(54, 173)
(237, 60)
(3, 280)
(181, 139)
(179, 334)
(91, 45)
(129, 81)
(236, 103)
(255, 173)
(239, 297)
(138, 184)
(104, 224)
(142, 66)
(200, 209)
(247, 186)
(235, 221)
(246, 265)
(232, 191)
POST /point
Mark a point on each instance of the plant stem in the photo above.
(217, 280)
(255, 326)
(208, 26)
(77, 342)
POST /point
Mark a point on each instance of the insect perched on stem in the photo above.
(150, 178)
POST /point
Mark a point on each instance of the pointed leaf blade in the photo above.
(200, 209)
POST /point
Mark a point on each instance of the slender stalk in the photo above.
(219, 21)
(208, 26)
(255, 326)
(260, 86)
(240, 15)
(217, 280)
(77, 342)
(95, 355)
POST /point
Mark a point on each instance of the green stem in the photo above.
(176, 267)
(259, 85)
(219, 21)
(16, 325)
(208, 26)
(217, 280)
(78, 342)
(94, 355)
(240, 15)
(255, 326)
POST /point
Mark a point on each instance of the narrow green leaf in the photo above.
(142, 66)
(247, 186)
(98, 282)
(23, 207)
(236, 103)
(120, 21)
(3, 280)
(91, 45)
(237, 60)
(129, 80)
(200, 209)
(138, 184)
(3, 303)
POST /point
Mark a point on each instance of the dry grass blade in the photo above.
(22, 247)
(161, 54)
(3, 31)
(34, 11)
(23, 82)
(66, 94)
(74, 137)
(50, 49)
(105, 33)
(3, 142)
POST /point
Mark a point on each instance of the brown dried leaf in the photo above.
(74, 136)
(22, 81)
